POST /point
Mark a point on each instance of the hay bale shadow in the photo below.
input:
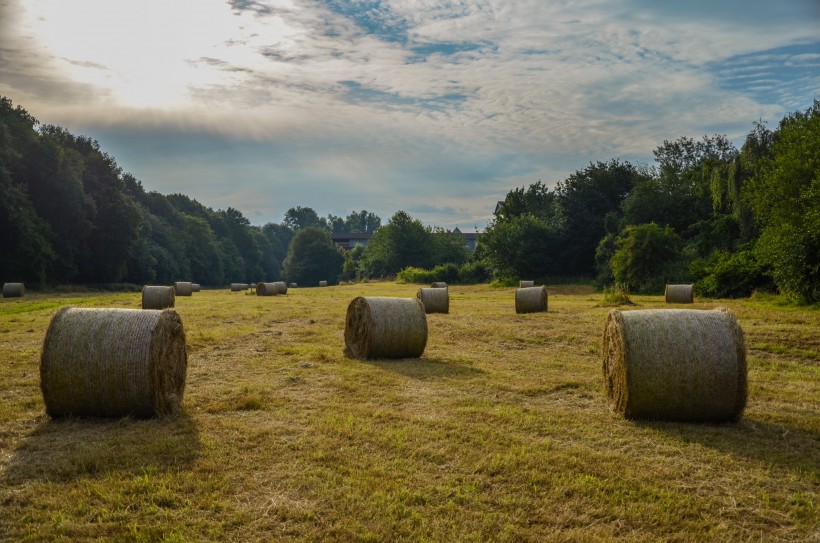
(69, 448)
(426, 368)
(788, 446)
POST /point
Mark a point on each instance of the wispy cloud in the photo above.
(380, 103)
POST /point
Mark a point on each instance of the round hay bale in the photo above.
(183, 288)
(322, 283)
(266, 289)
(526, 284)
(435, 300)
(238, 287)
(14, 290)
(195, 287)
(157, 297)
(281, 287)
(675, 364)
(439, 284)
(377, 327)
(679, 294)
(293, 285)
(531, 300)
(113, 363)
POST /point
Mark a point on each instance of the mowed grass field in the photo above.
(500, 432)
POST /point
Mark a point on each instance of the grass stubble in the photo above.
(499, 432)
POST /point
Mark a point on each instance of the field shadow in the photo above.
(426, 368)
(784, 445)
(69, 448)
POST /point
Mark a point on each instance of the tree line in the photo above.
(731, 220)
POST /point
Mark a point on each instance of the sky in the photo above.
(435, 107)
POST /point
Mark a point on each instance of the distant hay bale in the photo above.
(679, 294)
(435, 300)
(531, 300)
(322, 283)
(14, 290)
(526, 284)
(266, 289)
(195, 287)
(439, 284)
(281, 287)
(377, 327)
(113, 363)
(675, 364)
(157, 297)
(293, 285)
(183, 288)
(238, 287)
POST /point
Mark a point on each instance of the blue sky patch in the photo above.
(358, 93)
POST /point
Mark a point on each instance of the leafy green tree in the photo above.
(647, 257)
(786, 201)
(403, 242)
(523, 246)
(312, 257)
(300, 217)
(536, 200)
(362, 221)
(448, 247)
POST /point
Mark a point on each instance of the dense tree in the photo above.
(300, 217)
(402, 242)
(523, 247)
(312, 257)
(647, 257)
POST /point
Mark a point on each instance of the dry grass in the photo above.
(500, 432)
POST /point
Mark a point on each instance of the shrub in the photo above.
(730, 275)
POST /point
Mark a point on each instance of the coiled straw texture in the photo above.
(675, 364)
(113, 363)
(157, 297)
(679, 294)
(378, 327)
(531, 300)
(435, 300)
(14, 290)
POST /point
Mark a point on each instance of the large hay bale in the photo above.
(266, 289)
(322, 283)
(377, 327)
(14, 290)
(183, 288)
(238, 287)
(113, 363)
(531, 300)
(675, 364)
(526, 284)
(439, 284)
(157, 297)
(679, 294)
(195, 287)
(435, 300)
(281, 287)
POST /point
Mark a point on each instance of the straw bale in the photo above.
(531, 300)
(238, 287)
(157, 297)
(439, 284)
(266, 289)
(377, 327)
(195, 287)
(526, 284)
(435, 300)
(281, 287)
(113, 363)
(293, 285)
(322, 283)
(675, 364)
(679, 294)
(183, 288)
(14, 290)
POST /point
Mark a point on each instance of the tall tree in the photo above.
(312, 257)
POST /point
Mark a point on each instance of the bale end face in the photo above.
(675, 364)
(377, 327)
